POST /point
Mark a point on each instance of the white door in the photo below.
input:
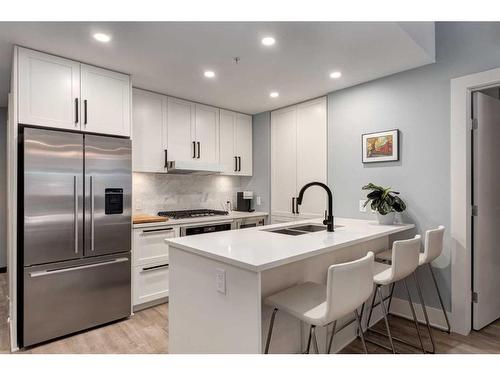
(283, 160)
(180, 129)
(105, 99)
(227, 148)
(148, 153)
(243, 143)
(486, 180)
(311, 155)
(49, 90)
(207, 133)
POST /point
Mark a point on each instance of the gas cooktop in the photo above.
(186, 214)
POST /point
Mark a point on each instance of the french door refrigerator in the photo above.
(75, 239)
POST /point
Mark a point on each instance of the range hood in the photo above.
(193, 167)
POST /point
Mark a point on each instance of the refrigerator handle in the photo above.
(75, 194)
(91, 213)
(69, 269)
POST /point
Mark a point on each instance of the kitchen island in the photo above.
(218, 282)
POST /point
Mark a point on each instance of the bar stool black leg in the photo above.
(385, 318)
(424, 309)
(440, 299)
(270, 332)
(414, 315)
(331, 337)
(360, 330)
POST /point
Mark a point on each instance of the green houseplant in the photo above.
(385, 201)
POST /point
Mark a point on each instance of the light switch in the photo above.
(258, 200)
(220, 280)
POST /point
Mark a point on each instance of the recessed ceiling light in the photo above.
(335, 75)
(268, 41)
(274, 94)
(104, 38)
(209, 74)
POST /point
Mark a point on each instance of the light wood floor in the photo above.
(147, 332)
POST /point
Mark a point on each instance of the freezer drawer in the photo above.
(149, 244)
(150, 283)
(67, 297)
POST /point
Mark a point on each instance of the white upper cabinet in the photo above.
(61, 93)
(49, 90)
(105, 99)
(180, 129)
(298, 156)
(236, 143)
(149, 131)
(227, 145)
(243, 141)
(207, 133)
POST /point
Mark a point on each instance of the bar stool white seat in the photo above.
(433, 247)
(404, 262)
(348, 286)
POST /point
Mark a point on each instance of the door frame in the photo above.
(460, 194)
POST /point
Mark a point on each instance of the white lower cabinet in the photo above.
(151, 283)
(150, 259)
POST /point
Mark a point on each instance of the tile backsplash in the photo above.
(156, 192)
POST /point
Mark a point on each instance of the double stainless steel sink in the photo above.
(297, 230)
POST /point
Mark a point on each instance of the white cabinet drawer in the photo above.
(150, 282)
(150, 246)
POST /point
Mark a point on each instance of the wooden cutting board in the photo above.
(143, 218)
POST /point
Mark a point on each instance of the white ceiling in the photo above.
(170, 57)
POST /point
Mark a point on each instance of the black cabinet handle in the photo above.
(76, 110)
(155, 267)
(165, 166)
(293, 205)
(85, 112)
(236, 164)
(194, 149)
(199, 152)
(239, 163)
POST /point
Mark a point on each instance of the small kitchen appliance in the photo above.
(244, 201)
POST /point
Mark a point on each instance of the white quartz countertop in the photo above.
(233, 215)
(256, 249)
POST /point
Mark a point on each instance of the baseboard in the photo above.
(401, 307)
(147, 305)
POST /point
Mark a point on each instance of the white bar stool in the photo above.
(404, 262)
(433, 248)
(348, 286)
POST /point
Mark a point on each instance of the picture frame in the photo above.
(380, 146)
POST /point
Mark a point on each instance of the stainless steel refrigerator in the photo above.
(75, 239)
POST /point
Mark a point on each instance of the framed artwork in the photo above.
(380, 147)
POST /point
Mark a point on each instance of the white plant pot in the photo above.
(386, 219)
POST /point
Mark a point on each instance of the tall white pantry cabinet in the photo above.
(298, 156)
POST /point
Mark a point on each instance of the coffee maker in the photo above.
(244, 201)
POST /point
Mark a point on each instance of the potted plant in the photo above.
(385, 201)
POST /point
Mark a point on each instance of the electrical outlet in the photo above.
(258, 200)
(138, 204)
(361, 205)
(220, 280)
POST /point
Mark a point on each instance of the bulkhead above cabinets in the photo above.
(59, 93)
(167, 129)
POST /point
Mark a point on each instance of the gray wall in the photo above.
(3, 187)
(418, 103)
